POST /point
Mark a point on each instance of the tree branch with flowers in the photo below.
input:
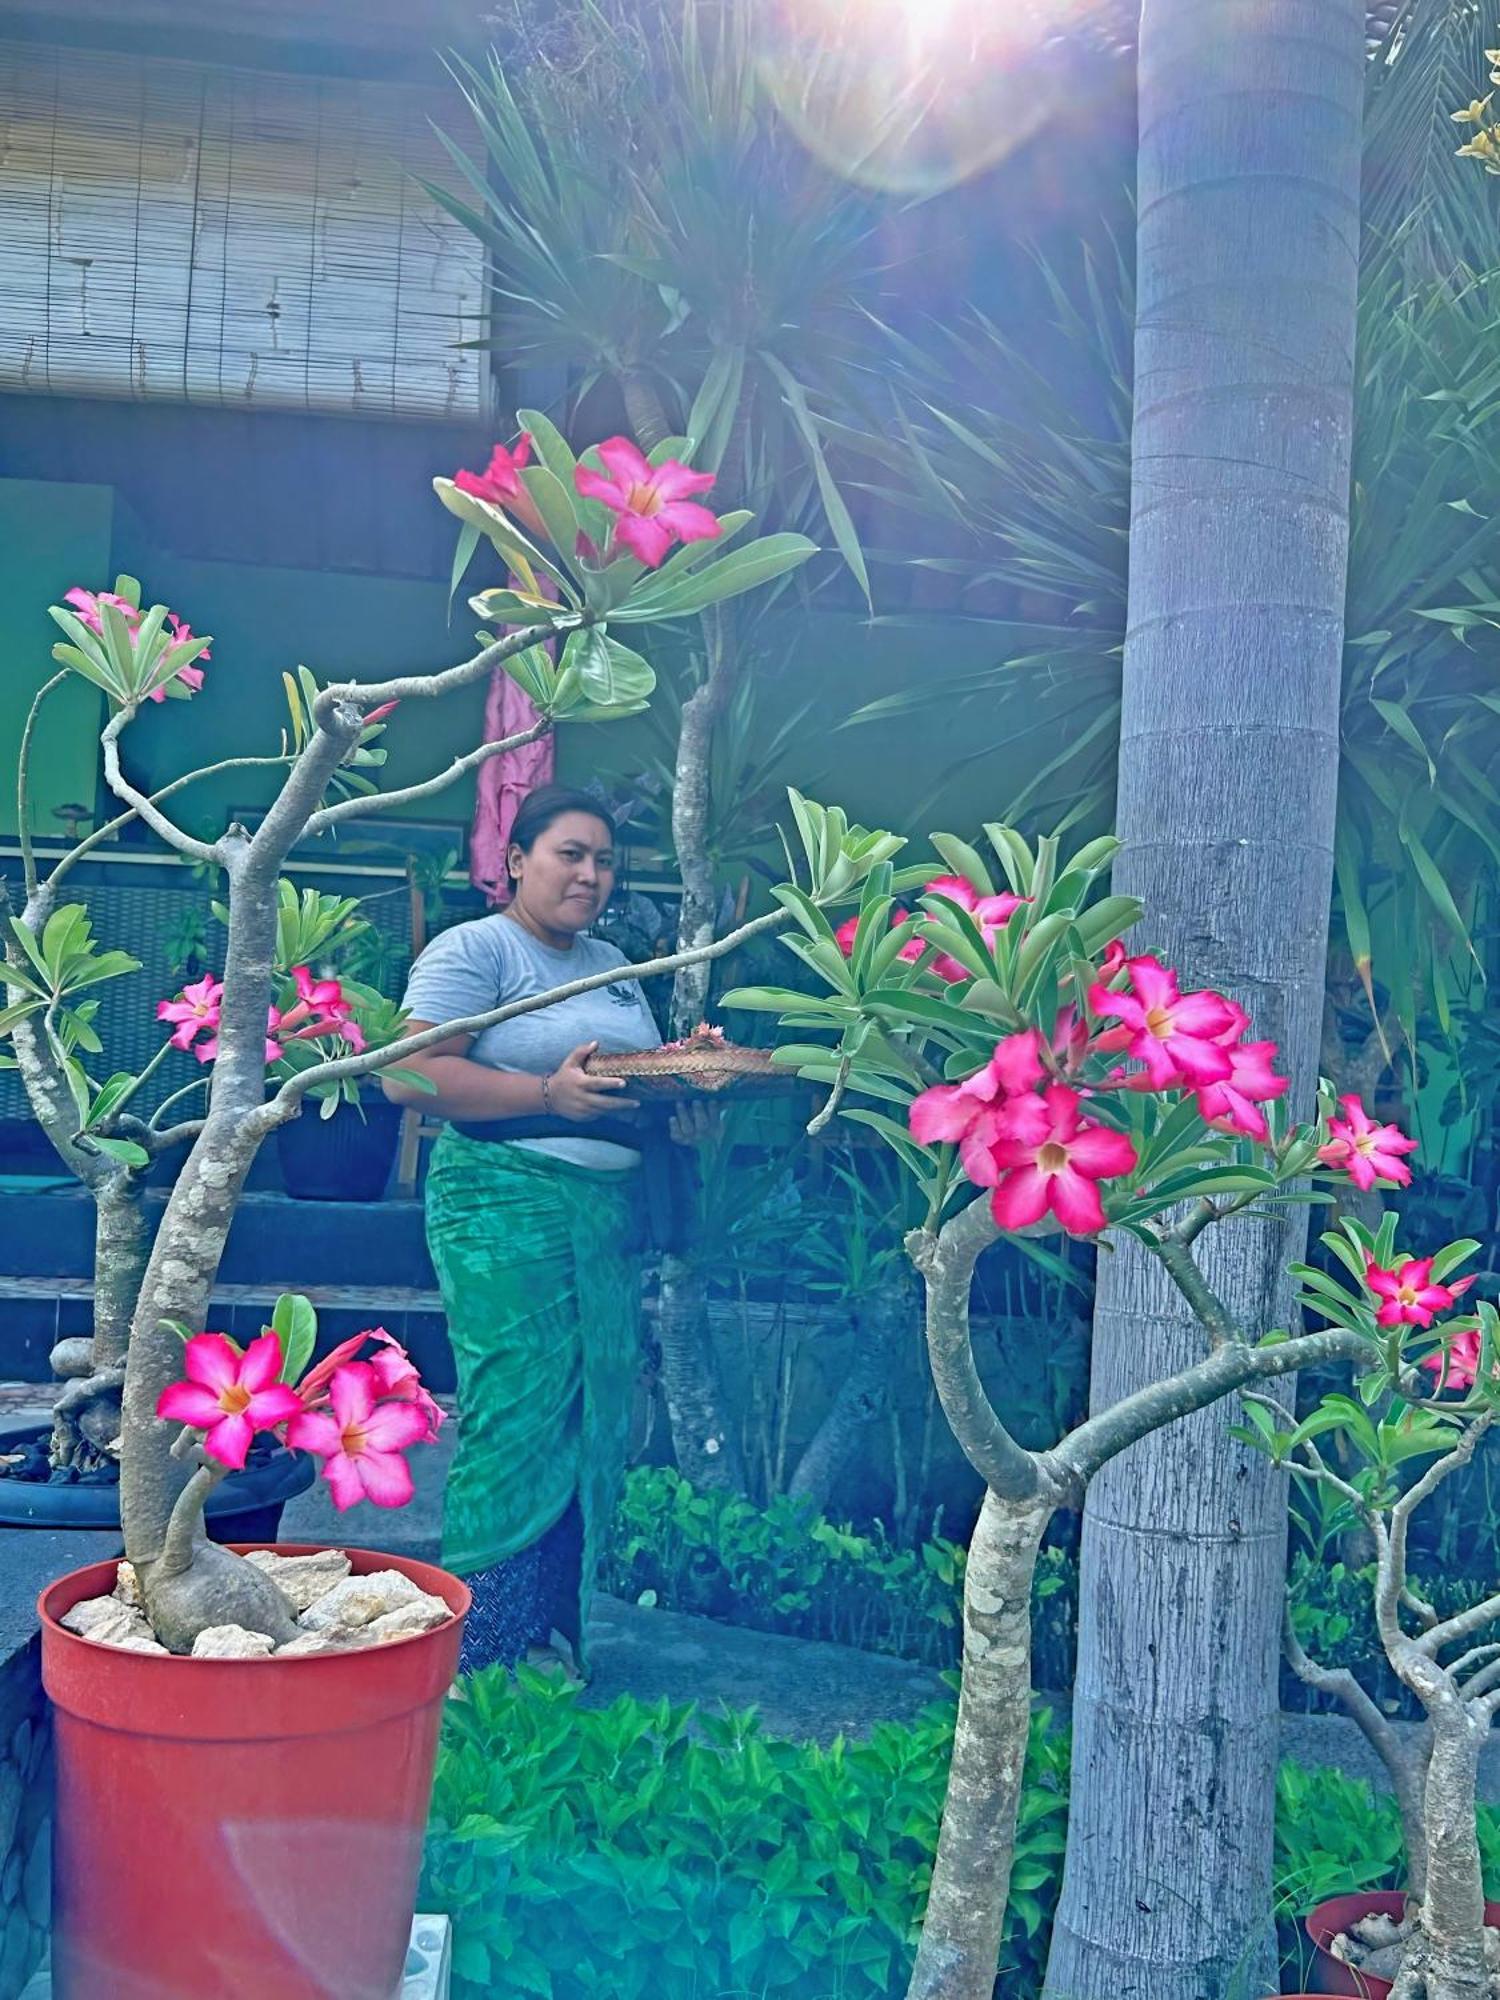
(1427, 1395)
(990, 1023)
(590, 544)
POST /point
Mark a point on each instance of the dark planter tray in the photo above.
(247, 1507)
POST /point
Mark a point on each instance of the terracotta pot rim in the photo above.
(162, 1662)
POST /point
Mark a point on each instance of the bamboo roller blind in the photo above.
(186, 232)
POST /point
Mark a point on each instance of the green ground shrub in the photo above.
(653, 1850)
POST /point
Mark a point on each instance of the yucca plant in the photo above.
(660, 240)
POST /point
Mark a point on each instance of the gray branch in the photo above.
(427, 787)
(424, 687)
(946, 1259)
(139, 803)
(1228, 1368)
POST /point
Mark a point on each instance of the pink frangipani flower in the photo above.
(651, 503)
(228, 1395)
(1046, 1156)
(361, 1439)
(1174, 1034)
(1407, 1295)
(196, 1011)
(1366, 1151)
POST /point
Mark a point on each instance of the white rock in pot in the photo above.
(232, 1642)
(423, 1614)
(358, 1601)
(111, 1623)
(302, 1580)
(320, 1642)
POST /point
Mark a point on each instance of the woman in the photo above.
(533, 1221)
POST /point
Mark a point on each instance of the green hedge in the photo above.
(663, 1852)
(785, 1569)
(647, 1850)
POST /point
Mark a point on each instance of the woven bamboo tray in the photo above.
(704, 1064)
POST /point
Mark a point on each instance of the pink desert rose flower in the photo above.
(910, 952)
(1070, 1039)
(1366, 1151)
(207, 1051)
(1175, 1035)
(1046, 1156)
(88, 604)
(1233, 1105)
(195, 1012)
(1407, 1295)
(1114, 960)
(963, 1114)
(1457, 1364)
(395, 1373)
(500, 484)
(397, 1377)
(990, 913)
(191, 675)
(228, 1395)
(361, 1440)
(652, 504)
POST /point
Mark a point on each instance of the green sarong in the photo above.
(541, 1285)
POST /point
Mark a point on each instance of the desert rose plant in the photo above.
(1035, 1075)
(1428, 1393)
(357, 1413)
(589, 546)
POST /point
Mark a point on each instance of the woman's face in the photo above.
(567, 877)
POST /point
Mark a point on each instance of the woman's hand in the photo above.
(695, 1121)
(571, 1093)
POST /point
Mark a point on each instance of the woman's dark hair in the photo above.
(539, 809)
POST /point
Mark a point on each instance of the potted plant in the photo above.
(577, 576)
(984, 1015)
(1428, 1394)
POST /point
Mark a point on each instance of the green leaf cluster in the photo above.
(128, 664)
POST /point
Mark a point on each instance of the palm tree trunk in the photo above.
(1248, 238)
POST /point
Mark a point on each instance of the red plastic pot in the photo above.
(240, 1828)
(1337, 1914)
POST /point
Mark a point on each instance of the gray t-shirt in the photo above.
(476, 966)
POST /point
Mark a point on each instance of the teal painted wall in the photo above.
(268, 620)
(51, 536)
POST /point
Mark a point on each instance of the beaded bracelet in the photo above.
(546, 1097)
